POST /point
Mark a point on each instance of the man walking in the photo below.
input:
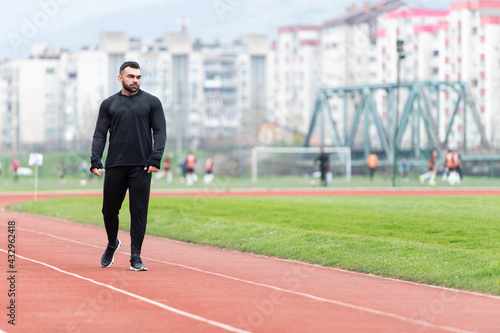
(137, 131)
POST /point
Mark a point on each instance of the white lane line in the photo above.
(321, 299)
(144, 299)
(378, 277)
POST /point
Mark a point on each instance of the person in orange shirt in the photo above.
(432, 169)
(209, 170)
(167, 168)
(372, 161)
(190, 165)
(453, 164)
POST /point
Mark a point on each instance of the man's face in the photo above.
(131, 80)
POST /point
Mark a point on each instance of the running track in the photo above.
(60, 286)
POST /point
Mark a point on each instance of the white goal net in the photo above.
(286, 161)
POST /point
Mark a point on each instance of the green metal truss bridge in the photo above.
(363, 118)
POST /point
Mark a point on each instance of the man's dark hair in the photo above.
(131, 64)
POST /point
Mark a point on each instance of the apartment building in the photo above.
(469, 41)
(236, 90)
(6, 123)
(418, 29)
(32, 107)
(51, 100)
(294, 77)
(348, 54)
(457, 44)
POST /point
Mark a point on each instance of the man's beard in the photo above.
(130, 88)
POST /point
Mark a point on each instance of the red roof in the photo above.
(433, 29)
(474, 5)
(490, 20)
(296, 28)
(309, 42)
(416, 13)
(444, 25)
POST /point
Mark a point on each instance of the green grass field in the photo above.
(446, 241)
(72, 182)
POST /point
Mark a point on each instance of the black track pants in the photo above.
(116, 182)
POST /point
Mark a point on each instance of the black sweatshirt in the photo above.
(134, 123)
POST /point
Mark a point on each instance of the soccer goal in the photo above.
(298, 160)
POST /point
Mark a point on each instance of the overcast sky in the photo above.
(73, 24)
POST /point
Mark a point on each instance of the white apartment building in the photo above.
(221, 107)
(208, 91)
(86, 86)
(294, 77)
(348, 44)
(459, 44)
(418, 29)
(233, 91)
(346, 54)
(33, 107)
(469, 41)
(5, 115)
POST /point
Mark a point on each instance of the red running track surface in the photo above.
(60, 287)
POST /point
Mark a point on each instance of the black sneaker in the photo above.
(136, 264)
(109, 254)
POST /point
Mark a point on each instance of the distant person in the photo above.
(166, 171)
(63, 169)
(15, 167)
(447, 164)
(84, 169)
(431, 169)
(458, 165)
(190, 166)
(323, 159)
(209, 170)
(451, 174)
(183, 167)
(404, 169)
(167, 168)
(135, 122)
(455, 170)
(372, 161)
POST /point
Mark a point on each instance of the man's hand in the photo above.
(151, 169)
(97, 171)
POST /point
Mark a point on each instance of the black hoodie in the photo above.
(134, 124)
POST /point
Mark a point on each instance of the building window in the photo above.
(50, 108)
(50, 133)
